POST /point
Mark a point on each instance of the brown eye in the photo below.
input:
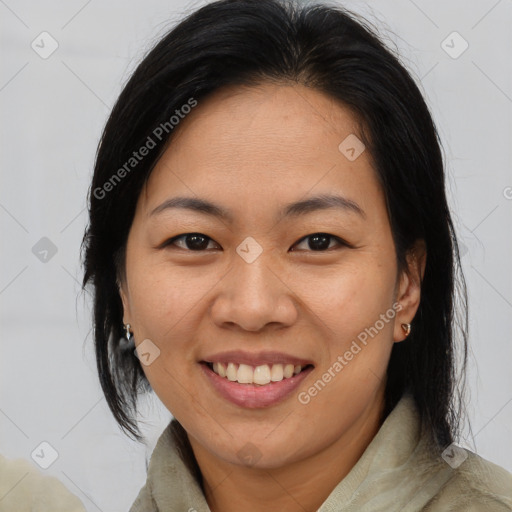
(321, 241)
(192, 241)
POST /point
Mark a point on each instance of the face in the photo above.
(268, 284)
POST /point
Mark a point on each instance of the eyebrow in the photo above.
(311, 204)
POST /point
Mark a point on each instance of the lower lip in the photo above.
(253, 396)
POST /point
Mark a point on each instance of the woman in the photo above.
(272, 253)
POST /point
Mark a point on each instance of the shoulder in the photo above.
(24, 489)
(473, 485)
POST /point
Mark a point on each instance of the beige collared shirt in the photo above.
(397, 472)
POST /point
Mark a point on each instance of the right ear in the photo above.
(126, 302)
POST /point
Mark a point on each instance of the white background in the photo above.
(53, 111)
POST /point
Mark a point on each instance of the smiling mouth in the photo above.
(260, 375)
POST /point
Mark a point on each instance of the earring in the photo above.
(128, 333)
(407, 329)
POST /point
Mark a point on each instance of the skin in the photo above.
(254, 150)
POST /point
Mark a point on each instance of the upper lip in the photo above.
(256, 359)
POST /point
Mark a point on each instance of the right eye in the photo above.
(192, 241)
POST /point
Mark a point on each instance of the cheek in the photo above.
(163, 307)
(163, 297)
(357, 344)
(167, 303)
(353, 298)
(357, 317)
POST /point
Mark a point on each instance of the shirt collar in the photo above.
(382, 472)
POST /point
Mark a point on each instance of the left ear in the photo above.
(409, 287)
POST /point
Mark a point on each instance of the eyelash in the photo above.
(340, 241)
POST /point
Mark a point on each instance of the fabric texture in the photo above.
(23, 488)
(398, 471)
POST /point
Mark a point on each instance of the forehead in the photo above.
(269, 141)
(276, 115)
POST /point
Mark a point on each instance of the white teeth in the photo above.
(245, 374)
(288, 371)
(261, 375)
(231, 372)
(276, 374)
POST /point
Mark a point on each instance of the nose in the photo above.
(253, 296)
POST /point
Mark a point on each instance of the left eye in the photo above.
(320, 241)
